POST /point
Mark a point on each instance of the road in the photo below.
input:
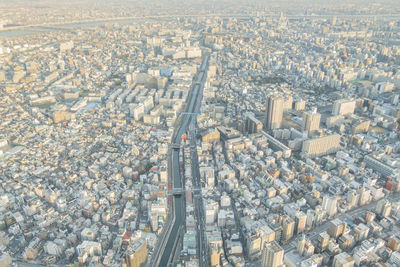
(348, 216)
(198, 200)
(165, 256)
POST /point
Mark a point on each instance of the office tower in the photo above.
(352, 198)
(343, 107)
(301, 219)
(252, 124)
(287, 227)
(361, 232)
(136, 253)
(277, 228)
(321, 146)
(329, 204)
(383, 207)
(272, 255)
(301, 244)
(343, 260)
(311, 121)
(336, 228)
(365, 195)
(323, 240)
(273, 113)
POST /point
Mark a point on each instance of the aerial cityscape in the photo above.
(200, 133)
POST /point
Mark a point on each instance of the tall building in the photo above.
(300, 219)
(343, 260)
(336, 228)
(365, 196)
(277, 228)
(272, 255)
(329, 204)
(311, 121)
(288, 225)
(252, 124)
(383, 207)
(136, 253)
(323, 240)
(308, 248)
(273, 113)
(352, 198)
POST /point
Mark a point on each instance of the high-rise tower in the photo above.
(273, 113)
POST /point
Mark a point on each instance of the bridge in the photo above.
(175, 146)
(180, 191)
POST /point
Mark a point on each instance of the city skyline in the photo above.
(199, 133)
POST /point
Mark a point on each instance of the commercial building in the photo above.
(136, 253)
(343, 107)
(273, 113)
(252, 124)
(272, 255)
(321, 146)
(336, 228)
(311, 121)
(288, 225)
(378, 166)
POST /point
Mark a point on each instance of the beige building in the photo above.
(383, 207)
(288, 225)
(311, 121)
(336, 228)
(321, 146)
(343, 260)
(273, 113)
(211, 136)
(136, 253)
(272, 255)
(343, 107)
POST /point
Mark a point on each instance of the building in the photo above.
(288, 226)
(272, 255)
(383, 207)
(329, 204)
(300, 219)
(276, 145)
(273, 113)
(361, 232)
(378, 166)
(252, 124)
(343, 260)
(343, 107)
(321, 146)
(215, 254)
(311, 121)
(336, 228)
(365, 196)
(136, 253)
(323, 240)
(210, 136)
